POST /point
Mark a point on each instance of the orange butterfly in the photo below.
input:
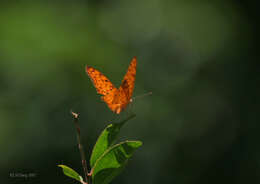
(116, 99)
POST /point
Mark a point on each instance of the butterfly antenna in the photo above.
(141, 96)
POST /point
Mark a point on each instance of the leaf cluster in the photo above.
(107, 159)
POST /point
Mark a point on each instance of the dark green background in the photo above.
(201, 125)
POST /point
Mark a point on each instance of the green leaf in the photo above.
(112, 162)
(107, 139)
(71, 173)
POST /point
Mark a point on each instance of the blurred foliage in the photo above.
(198, 58)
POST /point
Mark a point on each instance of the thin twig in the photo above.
(82, 154)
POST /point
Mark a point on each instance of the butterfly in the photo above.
(116, 99)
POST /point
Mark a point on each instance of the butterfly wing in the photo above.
(128, 83)
(103, 87)
(123, 95)
(100, 81)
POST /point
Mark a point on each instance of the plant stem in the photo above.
(82, 154)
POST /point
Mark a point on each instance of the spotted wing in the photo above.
(100, 81)
(128, 83)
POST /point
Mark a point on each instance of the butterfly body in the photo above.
(117, 99)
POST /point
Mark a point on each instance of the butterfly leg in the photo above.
(115, 118)
(129, 110)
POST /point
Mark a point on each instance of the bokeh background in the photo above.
(201, 125)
